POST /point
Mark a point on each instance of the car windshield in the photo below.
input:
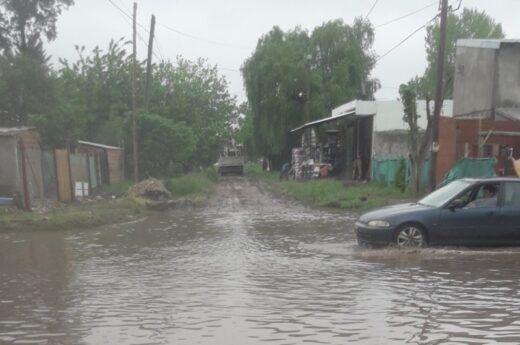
(444, 194)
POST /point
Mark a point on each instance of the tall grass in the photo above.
(255, 171)
(194, 186)
(331, 192)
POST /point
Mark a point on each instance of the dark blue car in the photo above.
(464, 212)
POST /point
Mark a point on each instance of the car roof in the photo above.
(491, 179)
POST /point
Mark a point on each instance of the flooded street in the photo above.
(250, 268)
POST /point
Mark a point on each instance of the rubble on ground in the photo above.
(151, 189)
(151, 193)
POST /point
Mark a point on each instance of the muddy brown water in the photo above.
(250, 268)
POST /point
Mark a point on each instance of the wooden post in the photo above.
(26, 201)
(148, 92)
(134, 102)
(89, 175)
(439, 96)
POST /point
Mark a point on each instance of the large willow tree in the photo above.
(293, 77)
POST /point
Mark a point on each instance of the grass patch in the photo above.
(74, 216)
(194, 186)
(117, 189)
(331, 192)
(255, 171)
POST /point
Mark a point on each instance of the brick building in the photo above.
(486, 103)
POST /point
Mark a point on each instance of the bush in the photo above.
(192, 185)
(400, 175)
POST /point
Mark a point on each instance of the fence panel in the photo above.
(384, 170)
(79, 170)
(92, 172)
(63, 176)
(50, 188)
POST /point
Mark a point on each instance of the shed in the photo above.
(348, 136)
(105, 163)
(20, 164)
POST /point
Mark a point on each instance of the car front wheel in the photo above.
(410, 236)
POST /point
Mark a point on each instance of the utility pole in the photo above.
(148, 92)
(134, 102)
(439, 94)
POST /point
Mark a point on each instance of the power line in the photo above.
(229, 69)
(405, 16)
(156, 40)
(371, 9)
(127, 17)
(407, 38)
(203, 39)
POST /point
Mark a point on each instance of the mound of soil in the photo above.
(150, 189)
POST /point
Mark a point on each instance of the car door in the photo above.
(474, 223)
(509, 216)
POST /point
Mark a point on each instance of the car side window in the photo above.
(512, 194)
(468, 196)
(485, 195)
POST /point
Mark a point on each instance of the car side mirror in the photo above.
(457, 203)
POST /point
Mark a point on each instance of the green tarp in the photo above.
(385, 170)
(471, 167)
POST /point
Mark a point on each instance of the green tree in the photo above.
(164, 144)
(93, 102)
(470, 23)
(24, 71)
(245, 130)
(24, 88)
(419, 141)
(23, 22)
(293, 77)
(91, 98)
(194, 93)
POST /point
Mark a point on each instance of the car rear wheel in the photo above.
(410, 235)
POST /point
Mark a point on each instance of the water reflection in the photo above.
(249, 269)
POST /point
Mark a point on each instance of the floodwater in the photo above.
(250, 268)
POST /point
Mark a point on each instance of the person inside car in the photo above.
(488, 199)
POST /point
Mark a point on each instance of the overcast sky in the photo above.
(226, 31)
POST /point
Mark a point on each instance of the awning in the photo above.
(96, 145)
(327, 119)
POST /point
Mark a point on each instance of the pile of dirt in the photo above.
(151, 190)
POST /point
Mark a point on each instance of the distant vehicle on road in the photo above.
(231, 161)
(464, 212)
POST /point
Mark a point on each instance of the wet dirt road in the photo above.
(249, 269)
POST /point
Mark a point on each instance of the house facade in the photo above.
(487, 78)
(486, 101)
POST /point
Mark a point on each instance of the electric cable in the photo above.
(203, 39)
(405, 16)
(371, 9)
(407, 38)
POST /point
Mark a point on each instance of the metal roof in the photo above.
(100, 146)
(327, 119)
(509, 113)
(8, 131)
(485, 43)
